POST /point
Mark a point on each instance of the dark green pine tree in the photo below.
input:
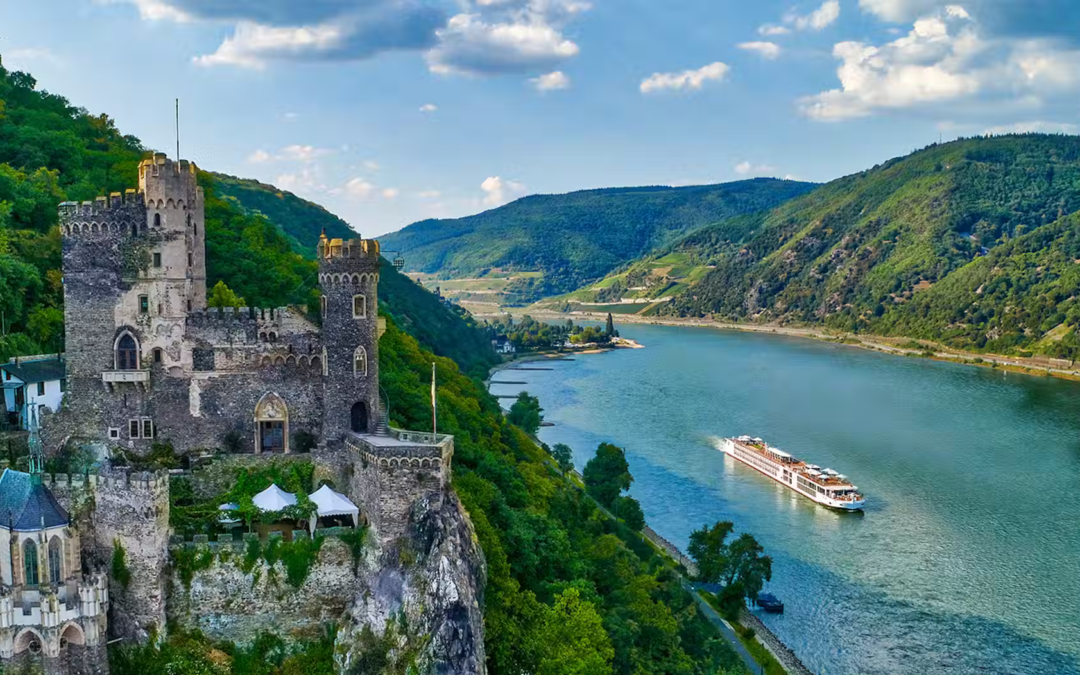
(610, 331)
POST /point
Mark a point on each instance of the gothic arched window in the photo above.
(30, 562)
(56, 569)
(127, 353)
(360, 362)
(157, 220)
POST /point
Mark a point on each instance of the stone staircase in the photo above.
(381, 428)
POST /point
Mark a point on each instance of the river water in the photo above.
(967, 556)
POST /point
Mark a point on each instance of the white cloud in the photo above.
(899, 10)
(927, 65)
(358, 187)
(686, 80)
(526, 41)
(390, 193)
(371, 165)
(1034, 127)
(252, 44)
(429, 194)
(290, 116)
(259, 157)
(428, 108)
(767, 50)
(498, 191)
(770, 29)
(551, 81)
(946, 58)
(818, 19)
(304, 181)
(746, 168)
(305, 154)
(302, 153)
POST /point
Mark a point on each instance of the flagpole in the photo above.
(434, 404)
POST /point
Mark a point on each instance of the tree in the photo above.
(748, 566)
(572, 638)
(223, 296)
(610, 328)
(526, 413)
(629, 511)
(741, 565)
(607, 474)
(708, 548)
(563, 456)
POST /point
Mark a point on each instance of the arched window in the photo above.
(157, 220)
(30, 562)
(360, 362)
(127, 353)
(271, 424)
(134, 229)
(56, 569)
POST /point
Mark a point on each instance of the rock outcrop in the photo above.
(422, 606)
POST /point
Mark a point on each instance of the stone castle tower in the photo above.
(349, 277)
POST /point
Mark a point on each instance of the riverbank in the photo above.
(563, 355)
(900, 346)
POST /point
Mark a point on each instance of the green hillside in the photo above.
(897, 249)
(301, 221)
(576, 237)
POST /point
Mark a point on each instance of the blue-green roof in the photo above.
(43, 370)
(25, 505)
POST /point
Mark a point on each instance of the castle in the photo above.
(148, 362)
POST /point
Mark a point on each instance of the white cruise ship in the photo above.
(824, 486)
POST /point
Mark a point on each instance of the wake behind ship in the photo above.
(824, 486)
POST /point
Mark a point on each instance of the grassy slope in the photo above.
(579, 236)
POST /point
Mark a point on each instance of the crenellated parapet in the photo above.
(395, 471)
(119, 215)
(340, 259)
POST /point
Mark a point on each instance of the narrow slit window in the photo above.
(359, 307)
(144, 304)
(133, 429)
(157, 259)
(147, 429)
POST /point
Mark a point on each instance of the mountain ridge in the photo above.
(573, 237)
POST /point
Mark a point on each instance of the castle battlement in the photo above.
(271, 316)
(161, 166)
(101, 205)
(145, 481)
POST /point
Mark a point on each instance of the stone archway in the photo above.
(271, 425)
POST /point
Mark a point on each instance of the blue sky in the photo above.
(391, 111)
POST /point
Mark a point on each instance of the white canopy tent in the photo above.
(330, 503)
(273, 498)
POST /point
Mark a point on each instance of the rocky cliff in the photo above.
(422, 604)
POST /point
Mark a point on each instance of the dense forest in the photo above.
(580, 236)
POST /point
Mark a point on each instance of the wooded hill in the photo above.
(965, 242)
(577, 237)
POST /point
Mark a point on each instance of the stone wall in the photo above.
(387, 480)
(226, 603)
(134, 511)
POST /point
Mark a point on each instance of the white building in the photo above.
(502, 345)
(35, 379)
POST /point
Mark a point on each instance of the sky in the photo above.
(392, 111)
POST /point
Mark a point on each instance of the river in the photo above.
(967, 556)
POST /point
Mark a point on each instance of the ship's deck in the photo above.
(794, 464)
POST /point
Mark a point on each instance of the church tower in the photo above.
(349, 278)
